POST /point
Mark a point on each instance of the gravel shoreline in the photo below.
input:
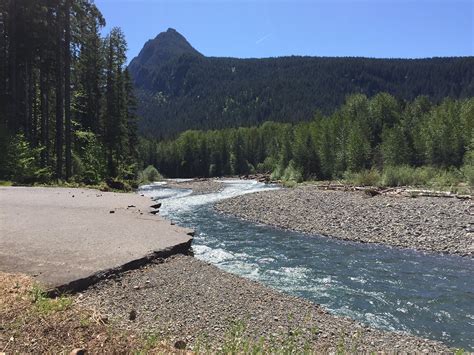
(199, 186)
(184, 299)
(442, 225)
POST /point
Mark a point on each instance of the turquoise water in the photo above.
(428, 295)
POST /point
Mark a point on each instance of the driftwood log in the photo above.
(398, 191)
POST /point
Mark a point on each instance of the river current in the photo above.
(427, 295)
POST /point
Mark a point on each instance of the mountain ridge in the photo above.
(158, 51)
(179, 88)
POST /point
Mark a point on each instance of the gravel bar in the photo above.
(442, 225)
(199, 186)
(182, 299)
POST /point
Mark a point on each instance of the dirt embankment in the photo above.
(31, 323)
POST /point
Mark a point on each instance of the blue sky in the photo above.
(262, 28)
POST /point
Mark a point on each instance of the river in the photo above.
(427, 295)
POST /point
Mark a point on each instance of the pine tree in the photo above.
(51, 87)
(67, 87)
(59, 66)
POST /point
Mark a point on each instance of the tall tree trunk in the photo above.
(44, 116)
(67, 87)
(3, 66)
(12, 66)
(111, 106)
(59, 96)
(34, 98)
(28, 112)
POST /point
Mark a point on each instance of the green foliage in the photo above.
(238, 341)
(89, 158)
(443, 135)
(45, 305)
(22, 162)
(468, 172)
(394, 147)
(150, 341)
(235, 342)
(415, 143)
(292, 173)
(447, 179)
(266, 166)
(4, 142)
(468, 167)
(277, 173)
(370, 177)
(289, 175)
(444, 179)
(358, 150)
(72, 111)
(149, 174)
(305, 151)
(187, 90)
(402, 176)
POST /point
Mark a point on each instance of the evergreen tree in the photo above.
(395, 149)
(328, 147)
(52, 91)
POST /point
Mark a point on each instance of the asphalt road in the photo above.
(69, 237)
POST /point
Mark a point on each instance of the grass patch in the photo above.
(364, 178)
(31, 322)
(453, 180)
(47, 305)
(468, 172)
(150, 342)
(238, 340)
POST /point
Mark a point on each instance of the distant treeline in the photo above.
(364, 133)
(196, 92)
(66, 100)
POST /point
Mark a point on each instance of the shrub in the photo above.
(398, 176)
(367, 178)
(277, 174)
(363, 178)
(22, 163)
(468, 172)
(149, 174)
(267, 165)
(446, 178)
(423, 175)
(468, 168)
(405, 175)
(292, 173)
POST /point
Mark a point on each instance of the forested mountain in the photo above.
(66, 99)
(179, 89)
(156, 53)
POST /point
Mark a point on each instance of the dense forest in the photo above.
(66, 99)
(178, 88)
(378, 133)
(67, 107)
